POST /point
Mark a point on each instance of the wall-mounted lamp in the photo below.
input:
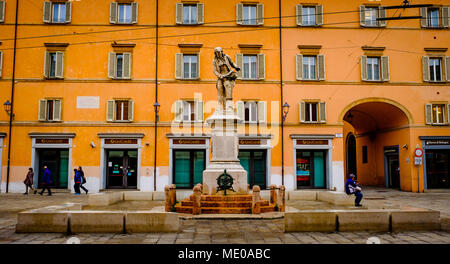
(285, 110)
(156, 107)
(92, 144)
(405, 146)
(7, 106)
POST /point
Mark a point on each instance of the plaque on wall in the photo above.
(437, 142)
(52, 141)
(189, 141)
(120, 141)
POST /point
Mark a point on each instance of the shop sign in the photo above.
(437, 142)
(120, 141)
(249, 142)
(52, 141)
(189, 141)
(312, 142)
(393, 149)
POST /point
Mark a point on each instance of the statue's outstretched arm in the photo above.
(232, 64)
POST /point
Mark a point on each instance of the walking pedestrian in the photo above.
(77, 181)
(351, 187)
(29, 181)
(47, 180)
(83, 179)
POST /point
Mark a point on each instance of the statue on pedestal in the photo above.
(226, 77)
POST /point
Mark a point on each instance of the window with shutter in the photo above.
(385, 68)
(382, 14)
(42, 114)
(250, 112)
(179, 16)
(59, 67)
(200, 13)
(322, 112)
(362, 16)
(424, 19)
(179, 66)
(199, 111)
(363, 68)
(110, 110)
(302, 112)
(124, 13)
(261, 66)
(308, 16)
(126, 66)
(435, 69)
(47, 12)
(438, 114)
(113, 13)
(319, 15)
(122, 110)
(130, 110)
(250, 67)
(299, 66)
(425, 68)
(428, 114)
(251, 14)
(56, 110)
(299, 15)
(445, 16)
(447, 69)
(448, 114)
(134, 12)
(190, 66)
(240, 64)
(2, 11)
(112, 65)
(309, 68)
(1, 63)
(57, 12)
(261, 111)
(178, 111)
(321, 67)
(260, 14)
(239, 14)
(68, 18)
(240, 110)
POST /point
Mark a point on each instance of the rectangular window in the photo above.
(249, 15)
(119, 65)
(309, 68)
(188, 111)
(435, 70)
(364, 154)
(124, 13)
(311, 112)
(373, 68)
(438, 111)
(50, 104)
(249, 70)
(59, 12)
(121, 110)
(52, 70)
(190, 14)
(190, 66)
(251, 112)
(433, 17)
(371, 15)
(188, 167)
(309, 16)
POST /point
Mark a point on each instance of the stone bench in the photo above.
(105, 199)
(310, 221)
(137, 196)
(97, 221)
(367, 220)
(409, 220)
(42, 221)
(146, 221)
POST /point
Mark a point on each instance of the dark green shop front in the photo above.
(254, 162)
(188, 167)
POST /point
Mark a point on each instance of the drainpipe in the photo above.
(281, 93)
(156, 98)
(11, 116)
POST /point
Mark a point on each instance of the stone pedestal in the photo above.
(224, 146)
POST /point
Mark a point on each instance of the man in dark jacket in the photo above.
(47, 180)
(352, 188)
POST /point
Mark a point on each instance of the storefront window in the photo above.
(254, 162)
(188, 167)
(310, 169)
(438, 173)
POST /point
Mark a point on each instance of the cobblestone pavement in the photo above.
(226, 231)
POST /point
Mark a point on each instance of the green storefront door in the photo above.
(188, 167)
(254, 162)
(311, 172)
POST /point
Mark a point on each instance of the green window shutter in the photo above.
(299, 66)
(239, 14)
(446, 63)
(299, 15)
(113, 13)
(428, 114)
(260, 14)
(362, 16)
(322, 112)
(59, 73)
(1, 63)
(126, 65)
(130, 110)
(68, 12)
(445, 16)
(240, 64)
(46, 64)
(262, 112)
(199, 111)
(321, 67)
(240, 110)
(179, 66)
(200, 13)
(261, 71)
(2, 11)
(110, 109)
(364, 68)
(423, 14)
(112, 65)
(56, 110)
(178, 111)
(302, 111)
(385, 68)
(42, 115)
(426, 68)
(382, 14)
(319, 15)
(134, 12)
(179, 13)
(47, 17)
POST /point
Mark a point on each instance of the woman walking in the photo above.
(83, 179)
(29, 181)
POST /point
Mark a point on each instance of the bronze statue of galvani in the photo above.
(226, 77)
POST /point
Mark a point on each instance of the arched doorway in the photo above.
(375, 132)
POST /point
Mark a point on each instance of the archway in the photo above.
(375, 131)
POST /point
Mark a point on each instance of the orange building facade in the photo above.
(83, 78)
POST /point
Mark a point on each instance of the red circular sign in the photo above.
(418, 152)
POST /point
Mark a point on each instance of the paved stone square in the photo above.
(219, 231)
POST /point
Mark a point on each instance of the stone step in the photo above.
(222, 198)
(237, 204)
(222, 210)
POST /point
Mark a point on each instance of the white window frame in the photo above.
(49, 117)
(52, 65)
(435, 114)
(188, 111)
(61, 16)
(310, 18)
(429, 17)
(372, 77)
(309, 67)
(190, 62)
(189, 14)
(250, 68)
(309, 105)
(122, 102)
(128, 6)
(252, 107)
(250, 20)
(432, 69)
(370, 16)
